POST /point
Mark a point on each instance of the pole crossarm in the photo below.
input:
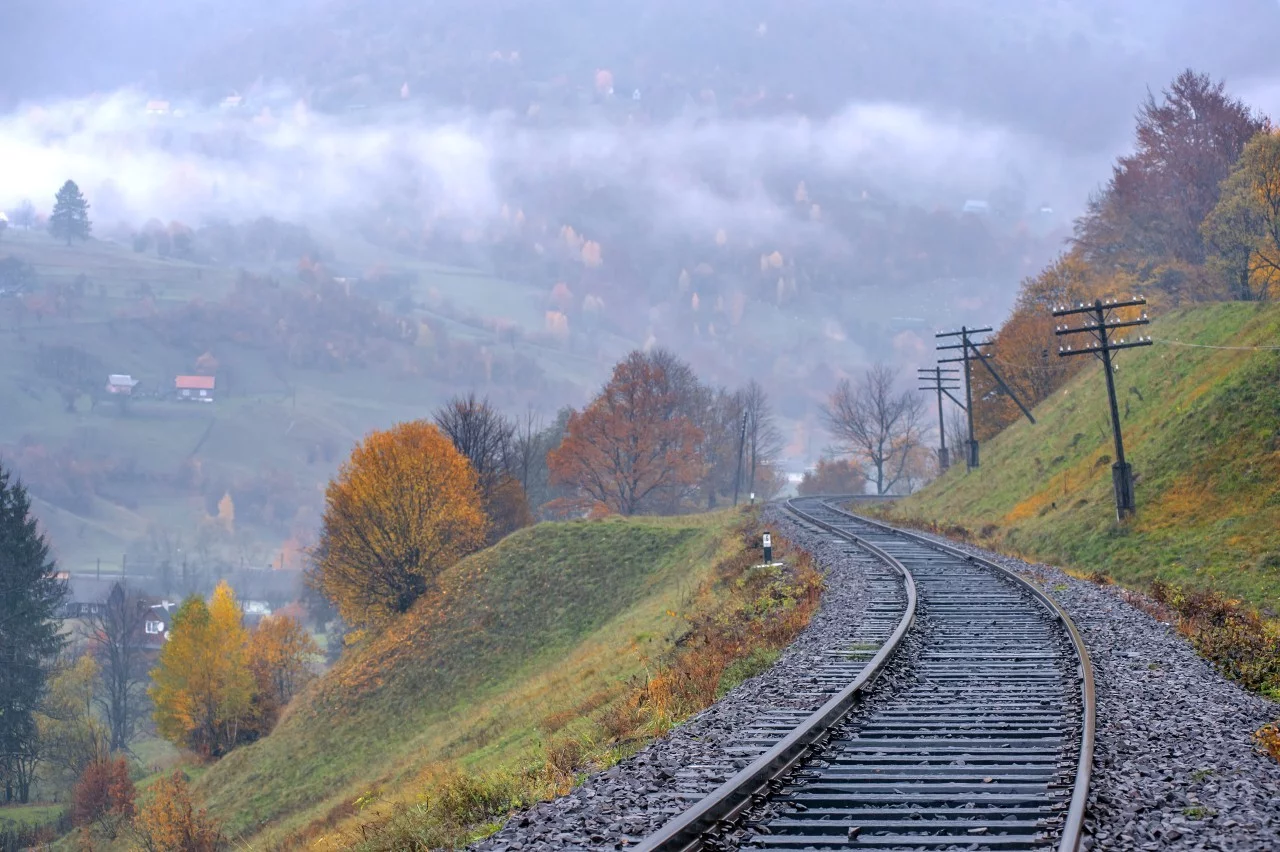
(964, 332)
(1105, 304)
(1109, 326)
(1096, 348)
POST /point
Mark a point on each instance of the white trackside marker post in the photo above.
(753, 498)
(768, 549)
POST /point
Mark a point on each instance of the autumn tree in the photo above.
(1243, 230)
(1026, 350)
(202, 687)
(104, 796)
(281, 654)
(71, 735)
(833, 476)
(31, 597)
(168, 821)
(70, 217)
(1153, 206)
(402, 509)
(632, 441)
(116, 637)
(876, 424)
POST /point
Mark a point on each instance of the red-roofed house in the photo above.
(199, 388)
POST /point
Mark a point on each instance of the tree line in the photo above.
(414, 499)
(1192, 215)
(73, 701)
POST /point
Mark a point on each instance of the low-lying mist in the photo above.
(698, 173)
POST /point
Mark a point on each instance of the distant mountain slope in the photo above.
(548, 624)
(1028, 65)
(1201, 422)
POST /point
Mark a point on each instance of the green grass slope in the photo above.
(523, 641)
(1202, 431)
(269, 419)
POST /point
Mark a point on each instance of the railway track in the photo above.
(982, 739)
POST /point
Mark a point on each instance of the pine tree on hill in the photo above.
(30, 598)
(70, 218)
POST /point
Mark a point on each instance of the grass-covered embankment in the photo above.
(1202, 430)
(551, 652)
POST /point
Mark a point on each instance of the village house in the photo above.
(156, 627)
(86, 596)
(198, 388)
(118, 383)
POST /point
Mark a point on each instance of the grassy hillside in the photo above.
(1202, 430)
(523, 644)
(275, 429)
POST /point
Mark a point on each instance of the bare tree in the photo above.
(115, 637)
(877, 425)
(764, 439)
(482, 434)
(25, 216)
(488, 439)
(720, 417)
(527, 451)
(957, 434)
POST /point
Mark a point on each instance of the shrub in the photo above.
(1231, 635)
(1268, 739)
(103, 796)
(459, 808)
(169, 822)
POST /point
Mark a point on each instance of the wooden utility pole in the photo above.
(970, 352)
(742, 442)
(942, 382)
(1099, 320)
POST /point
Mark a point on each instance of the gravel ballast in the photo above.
(1174, 764)
(621, 805)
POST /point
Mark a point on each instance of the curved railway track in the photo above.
(981, 740)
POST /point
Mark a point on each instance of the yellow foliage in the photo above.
(403, 508)
(201, 686)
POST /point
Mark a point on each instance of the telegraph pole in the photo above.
(943, 382)
(970, 352)
(742, 442)
(1099, 321)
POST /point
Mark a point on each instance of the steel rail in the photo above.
(1073, 824)
(727, 803)
(687, 830)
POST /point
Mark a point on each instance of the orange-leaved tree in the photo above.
(833, 476)
(169, 822)
(281, 653)
(403, 508)
(202, 687)
(631, 442)
(103, 795)
(1026, 349)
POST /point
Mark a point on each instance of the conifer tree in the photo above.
(70, 218)
(30, 598)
